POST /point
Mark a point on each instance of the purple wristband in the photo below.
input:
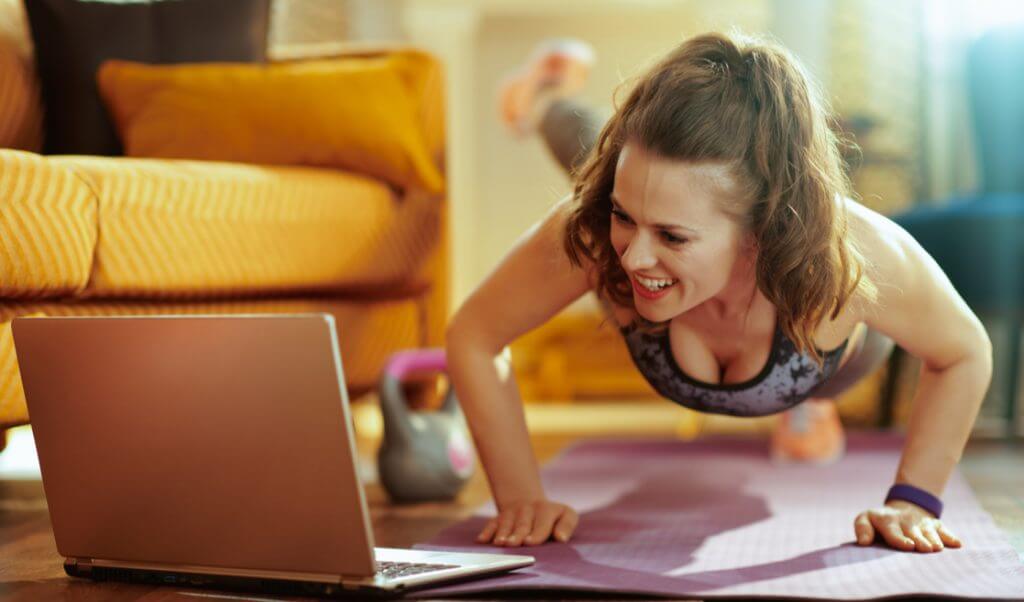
(922, 498)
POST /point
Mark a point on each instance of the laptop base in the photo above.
(250, 585)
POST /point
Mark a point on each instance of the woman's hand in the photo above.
(904, 526)
(531, 523)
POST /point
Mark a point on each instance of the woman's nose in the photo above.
(639, 254)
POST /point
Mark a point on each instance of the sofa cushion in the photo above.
(48, 218)
(356, 113)
(174, 229)
(72, 38)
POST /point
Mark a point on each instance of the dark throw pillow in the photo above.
(72, 38)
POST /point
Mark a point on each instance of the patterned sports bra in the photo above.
(787, 378)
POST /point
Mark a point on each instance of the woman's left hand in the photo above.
(904, 526)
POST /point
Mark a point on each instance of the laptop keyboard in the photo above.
(393, 570)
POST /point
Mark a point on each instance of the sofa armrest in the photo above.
(427, 81)
(48, 227)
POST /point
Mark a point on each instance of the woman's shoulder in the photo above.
(876, 236)
(872, 235)
(883, 245)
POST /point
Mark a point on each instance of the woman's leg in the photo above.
(809, 432)
(875, 349)
(812, 431)
(570, 129)
(541, 96)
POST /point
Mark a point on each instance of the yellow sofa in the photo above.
(85, 235)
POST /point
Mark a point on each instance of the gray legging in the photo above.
(570, 129)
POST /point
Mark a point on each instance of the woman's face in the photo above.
(666, 225)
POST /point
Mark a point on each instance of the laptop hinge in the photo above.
(82, 566)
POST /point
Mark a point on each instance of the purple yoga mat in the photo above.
(715, 518)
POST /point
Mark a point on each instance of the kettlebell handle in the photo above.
(431, 359)
(415, 360)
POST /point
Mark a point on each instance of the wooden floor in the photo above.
(30, 568)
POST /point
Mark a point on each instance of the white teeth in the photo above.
(653, 284)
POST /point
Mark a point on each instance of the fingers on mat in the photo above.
(566, 524)
(891, 530)
(863, 530)
(947, 536)
(542, 526)
(488, 531)
(523, 525)
(928, 529)
(506, 521)
(920, 542)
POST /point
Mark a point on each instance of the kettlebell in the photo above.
(425, 455)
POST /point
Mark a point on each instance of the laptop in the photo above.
(211, 451)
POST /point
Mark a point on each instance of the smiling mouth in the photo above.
(655, 285)
(649, 293)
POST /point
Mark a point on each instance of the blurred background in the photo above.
(931, 91)
(913, 81)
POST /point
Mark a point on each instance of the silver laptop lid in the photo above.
(217, 441)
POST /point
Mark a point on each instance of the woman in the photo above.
(540, 97)
(713, 220)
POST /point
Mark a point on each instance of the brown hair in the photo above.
(747, 103)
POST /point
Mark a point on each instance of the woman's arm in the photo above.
(530, 285)
(922, 312)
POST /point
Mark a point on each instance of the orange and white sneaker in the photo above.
(556, 69)
(810, 432)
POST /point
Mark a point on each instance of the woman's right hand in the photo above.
(530, 523)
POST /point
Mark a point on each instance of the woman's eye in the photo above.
(675, 240)
(620, 216)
